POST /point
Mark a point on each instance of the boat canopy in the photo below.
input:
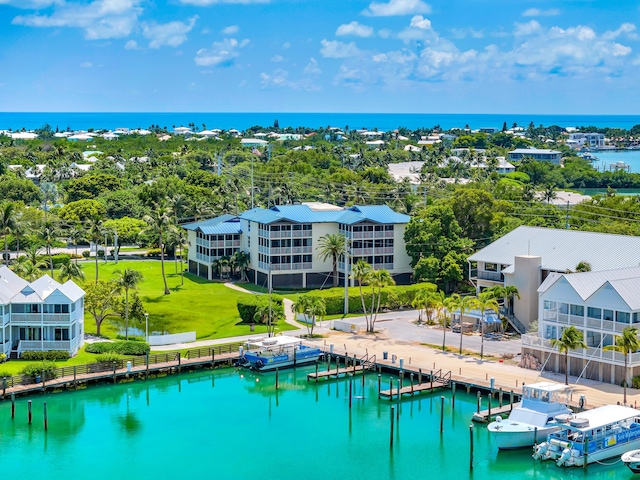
(607, 415)
(272, 342)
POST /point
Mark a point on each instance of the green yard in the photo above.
(208, 308)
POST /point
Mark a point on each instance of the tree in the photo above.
(76, 232)
(49, 192)
(311, 307)
(128, 280)
(465, 304)
(8, 220)
(571, 339)
(332, 245)
(627, 343)
(583, 266)
(242, 263)
(361, 272)
(96, 232)
(485, 301)
(159, 222)
(100, 300)
(82, 210)
(378, 279)
(49, 232)
(70, 271)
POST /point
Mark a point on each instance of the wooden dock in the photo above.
(483, 415)
(413, 389)
(336, 372)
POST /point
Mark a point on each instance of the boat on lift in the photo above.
(543, 407)
(632, 460)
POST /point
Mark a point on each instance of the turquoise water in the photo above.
(234, 424)
(630, 157)
(242, 121)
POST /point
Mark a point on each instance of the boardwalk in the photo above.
(413, 389)
(336, 372)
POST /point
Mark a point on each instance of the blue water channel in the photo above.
(233, 423)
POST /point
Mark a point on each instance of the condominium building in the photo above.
(40, 315)
(599, 304)
(282, 243)
(539, 154)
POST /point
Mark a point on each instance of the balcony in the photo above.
(39, 319)
(47, 345)
(491, 276)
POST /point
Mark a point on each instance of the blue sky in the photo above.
(476, 56)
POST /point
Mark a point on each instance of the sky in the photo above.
(395, 56)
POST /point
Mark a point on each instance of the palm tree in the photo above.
(571, 339)
(96, 233)
(49, 192)
(465, 305)
(70, 271)
(76, 233)
(332, 245)
(159, 222)
(8, 217)
(627, 343)
(242, 262)
(485, 301)
(49, 232)
(20, 228)
(361, 272)
(378, 280)
(311, 307)
(128, 280)
(179, 239)
(511, 293)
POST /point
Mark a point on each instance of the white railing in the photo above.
(594, 323)
(46, 345)
(576, 320)
(563, 318)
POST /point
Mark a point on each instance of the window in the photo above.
(61, 334)
(593, 312)
(607, 315)
(577, 310)
(491, 267)
(623, 317)
(636, 317)
(563, 308)
(550, 332)
(550, 305)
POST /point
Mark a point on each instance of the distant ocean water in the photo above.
(242, 121)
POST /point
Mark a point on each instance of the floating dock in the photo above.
(413, 389)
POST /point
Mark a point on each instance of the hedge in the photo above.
(121, 347)
(34, 370)
(60, 259)
(48, 355)
(248, 305)
(107, 358)
(394, 297)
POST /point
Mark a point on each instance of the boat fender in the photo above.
(498, 418)
(581, 402)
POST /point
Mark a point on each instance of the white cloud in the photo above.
(626, 29)
(418, 21)
(536, 12)
(385, 33)
(280, 78)
(354, 29)
(277, 58)
(86, 65)
(100, 19)
(131, 45)
(312, 68)
(418, 29)
(220, 53)
(205, 3)
(31, 4)
(172, 34)
(529, 28)
(396, 7)
(231, 30)
(335, 49)
(460, 33)
(286, 45)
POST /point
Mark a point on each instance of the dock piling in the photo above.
(43, 382)
(44, 412)
(489, 413)
(471, 447)
(479, 402)
(391, 389)
(379, 384)
(453, 395)
(511, 400)
(276, 378)
(411, 379)
(398, 411)
(391, 429)
(29, 413)
(316, 372)
(419, 376)
(441, 414)
(350, 392)
(13, 405)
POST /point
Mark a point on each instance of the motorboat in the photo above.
(543, 407)
(592, 436)
(632, 460)
(264, 354)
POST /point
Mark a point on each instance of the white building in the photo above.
(39, 316)
(526, 256)
(599, 304)
(586, 139)
(539, 154)
(282, 242)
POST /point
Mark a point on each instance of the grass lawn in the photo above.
(208, 308)
(13, 367)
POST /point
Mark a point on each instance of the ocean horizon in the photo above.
(242, 121)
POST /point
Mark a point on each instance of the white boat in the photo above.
(593, 436)
(632, 460)
(543, 404)
(265, 354)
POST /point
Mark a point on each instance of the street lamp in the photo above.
(146, 327)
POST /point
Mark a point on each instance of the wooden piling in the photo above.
(453, 395)
(379, 384)
(276, 378)
(471, 447)
(114, 372)
(479, 402)
(398, 411)
(179, 363)
(354, 365)
(431, 380)
(441, 413)
(4, 386)
(500, 397)
(316, 372)
(44, 412)
(419, 376)
(213, 357)
(535, 436)
(74, 376)
(146, 361)
(391, 429)
(511, 400)
(489, 413)
(411, 379)
(29, 413)
(13, 405)
(391, 389)
(350, 392)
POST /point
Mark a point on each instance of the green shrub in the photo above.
(86, 253)
(394, 297)
(48, 355)
(60, 259)
(635, 382)
(5, 375)
(121, 347)
(248, 305)
(100, 253)
(107, 358)
(34, 370)
(153, 252)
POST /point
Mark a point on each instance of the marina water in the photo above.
(234, 424)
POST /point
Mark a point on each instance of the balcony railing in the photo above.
(36, 318)
(492, 276)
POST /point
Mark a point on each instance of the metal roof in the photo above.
(562, 250)
(304, 214)
(224, 224)
(625, 281)
(14, 289)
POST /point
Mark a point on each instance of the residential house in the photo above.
(601, 305)
(282, 242)
(526, 256)
(39, 316)
(539, 154)
(586, 139)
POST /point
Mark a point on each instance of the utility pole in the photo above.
(566, 221)
(346, 273)
(115, 247)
